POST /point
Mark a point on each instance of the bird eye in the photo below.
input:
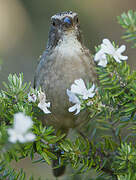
(53, 23)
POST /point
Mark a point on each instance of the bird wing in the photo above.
(39, 64)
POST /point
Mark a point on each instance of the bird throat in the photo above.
(68, 44)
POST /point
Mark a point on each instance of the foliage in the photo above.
(128, 22)
(108, 141)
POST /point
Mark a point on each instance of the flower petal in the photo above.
(44, 108)
(123, 57)
(78, 109)
(85, 96)
(73, 108)
(12, 139)
(121, 49)
(30, 137)
(79, 87)
(72, 97)
(12, 135)
(80, 83)
(103, 62)
(22, 123)
(92, 88)
(98, 55)
(76, 89)
(21, 138)
(116, 57)
(91, 95)
(42, 96)
(108, 44)
(48, 104)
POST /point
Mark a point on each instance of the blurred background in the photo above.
(24, 28)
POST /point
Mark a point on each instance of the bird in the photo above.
(64, 60)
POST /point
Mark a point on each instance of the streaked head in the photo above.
(65, 20)
(62, 24)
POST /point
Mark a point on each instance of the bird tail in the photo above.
(58, 169)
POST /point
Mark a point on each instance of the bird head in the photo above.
(63, 24)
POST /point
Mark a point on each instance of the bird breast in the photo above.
(67, 63)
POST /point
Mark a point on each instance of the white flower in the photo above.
(19, 132)
(101, 58)
(108, 48)
(116, 53)
(32, 97)
(74, 99)
(42, 104)
(79, 88)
